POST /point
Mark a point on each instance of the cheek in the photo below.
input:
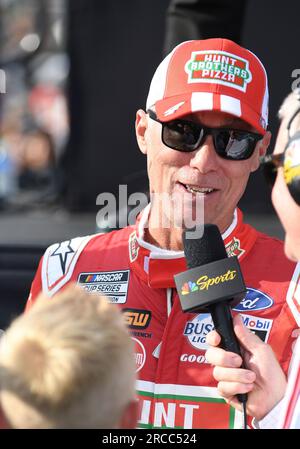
(162, 162)
(280, 196)
(161, 165)
(237, 174)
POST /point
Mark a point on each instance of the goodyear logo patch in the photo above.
(113, 284)
(136, 318)
(218, 67)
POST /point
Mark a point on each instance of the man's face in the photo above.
(171, 171)
(288, 211)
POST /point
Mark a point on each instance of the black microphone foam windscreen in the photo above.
(209, 248)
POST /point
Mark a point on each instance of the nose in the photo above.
(205, 158)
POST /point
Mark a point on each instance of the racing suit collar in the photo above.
(157, 266)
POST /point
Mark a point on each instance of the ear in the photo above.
(141, 125)
(260, 150)
(130, 416)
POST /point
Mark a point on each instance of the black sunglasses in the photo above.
(186, 136)
(271, 162)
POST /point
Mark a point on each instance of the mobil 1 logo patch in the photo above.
(113, 284)
(254, 300)
(260, 326)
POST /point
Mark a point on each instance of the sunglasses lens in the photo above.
(229, 144)
(233, 144)
(182, 136)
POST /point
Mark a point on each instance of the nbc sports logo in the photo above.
(189, 287)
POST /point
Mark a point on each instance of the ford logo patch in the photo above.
(254, 300)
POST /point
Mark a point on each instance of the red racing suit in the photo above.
(290, 418)
(175, 386)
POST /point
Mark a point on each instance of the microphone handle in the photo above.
(222, 319)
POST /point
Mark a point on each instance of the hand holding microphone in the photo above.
(213, 283)
(263, 379)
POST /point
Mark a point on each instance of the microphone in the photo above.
(214, 283)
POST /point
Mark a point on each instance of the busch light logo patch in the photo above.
(113, 284)
(195, 331)
(260, 326)
(254, 300)
(218, 67)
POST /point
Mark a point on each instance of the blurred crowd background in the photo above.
(34, 116)
(73, 73)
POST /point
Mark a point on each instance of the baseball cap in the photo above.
(211, 74)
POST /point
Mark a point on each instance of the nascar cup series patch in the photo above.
(113, 284)
(218, 67)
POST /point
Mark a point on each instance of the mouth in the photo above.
(191, 188)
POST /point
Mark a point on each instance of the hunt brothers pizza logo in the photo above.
(170, 411)
(218, 67)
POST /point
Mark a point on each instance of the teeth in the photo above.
(194, 189)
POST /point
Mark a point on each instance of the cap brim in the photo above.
(178, 106)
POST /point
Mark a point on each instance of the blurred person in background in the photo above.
(29, 173)
(38, 171)
(48, 107)
(38, 177)
(68, 363)
(34, 58)
(271, 400)
(10, 158)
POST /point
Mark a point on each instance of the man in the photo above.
(264, 380)
(60, 365)
(203, 133)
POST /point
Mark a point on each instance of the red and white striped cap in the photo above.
(211, 74)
